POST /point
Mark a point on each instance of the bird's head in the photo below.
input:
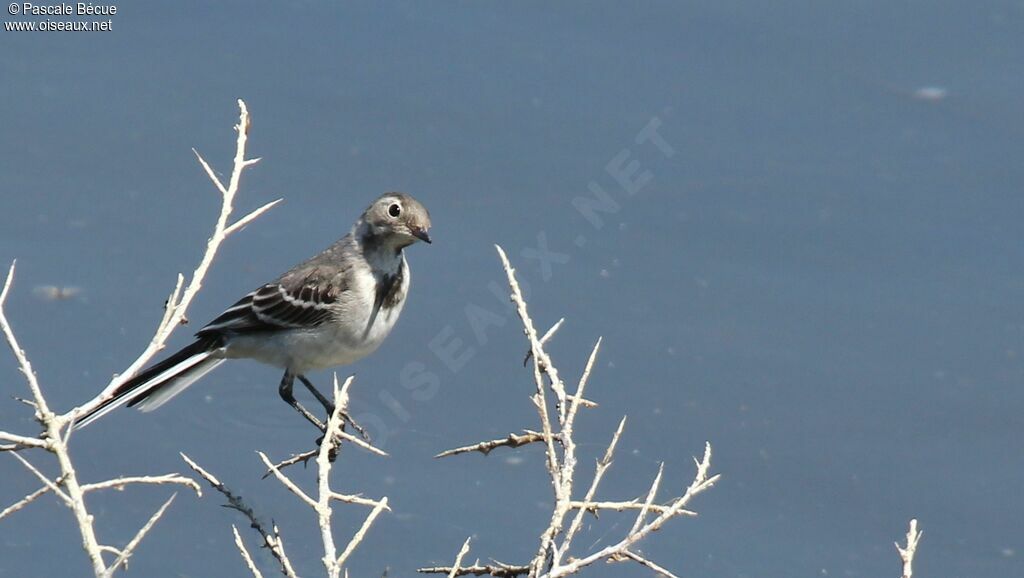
(397, 219)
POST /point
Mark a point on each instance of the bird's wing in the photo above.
(300, 299)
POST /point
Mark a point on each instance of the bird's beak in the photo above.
(422, 235)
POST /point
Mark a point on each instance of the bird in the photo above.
(330, 310)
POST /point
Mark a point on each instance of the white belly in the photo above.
(329, 345)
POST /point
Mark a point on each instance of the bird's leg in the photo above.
(285, 390)
(329, 407)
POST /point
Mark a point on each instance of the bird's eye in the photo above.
(395, 210)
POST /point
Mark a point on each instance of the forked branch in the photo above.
(557, 410)
(57, 428)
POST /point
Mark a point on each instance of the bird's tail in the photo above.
(159, 383)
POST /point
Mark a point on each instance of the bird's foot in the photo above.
(332, 453)
(347, 419)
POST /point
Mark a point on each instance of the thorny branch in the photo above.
(907, 553)
(271, 538)
(180, 299)
(321, 503)
(57, 428)
(557, 418)
(511, 441)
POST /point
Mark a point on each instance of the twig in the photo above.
(602, 467)
(642, 516)
(241, 223)
(333, 436)
(358, 500)
(42, 409)
(324, 459)
(304, 457)
(359, 535)
(287, 482)
(512, 441)
(543, 340)
(499, 570)
(561, 461)
(559, 470)
(645, 562)
(51, 484)
(271, 538)
(122, 559)
(360, 443)
(551, 332)
(595, 507)
(540, 356)
(23, 441)
(57, 428)
(120, 483)
(458, 558)
(581, 401)
(907, 554)
(570, 419)
(178, 303)
(553, 558)
(701, 482)
(24, 501)
(245, 553)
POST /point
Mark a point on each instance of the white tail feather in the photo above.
(193, 374)
(170, 373)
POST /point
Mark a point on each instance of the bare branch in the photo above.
(122, 559)
(358, 537)
(211, 173)
(24, 501)
(540, 356)
(303, 457)
(458, 558)
(23, 441)
(57, 430)
(551, 332)
(907, 554)
(56, 443)
(499, 570)
(356, 499)
(595, 507)
(642, 516)
(361, 443)
(578, 396)
(120, 483)
(51, 484)
(241, 223)
(177, 307)
(245, 554)
(512, 441)
(42, 409)
(561, 462)
(645, 562)
(543, 340)
(602, 467)
(328, 449)
(701, 482)
(583, 402)
(287, 482)
(271, 538)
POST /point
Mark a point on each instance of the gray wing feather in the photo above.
(302, 298)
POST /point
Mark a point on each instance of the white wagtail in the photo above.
(331, 310)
